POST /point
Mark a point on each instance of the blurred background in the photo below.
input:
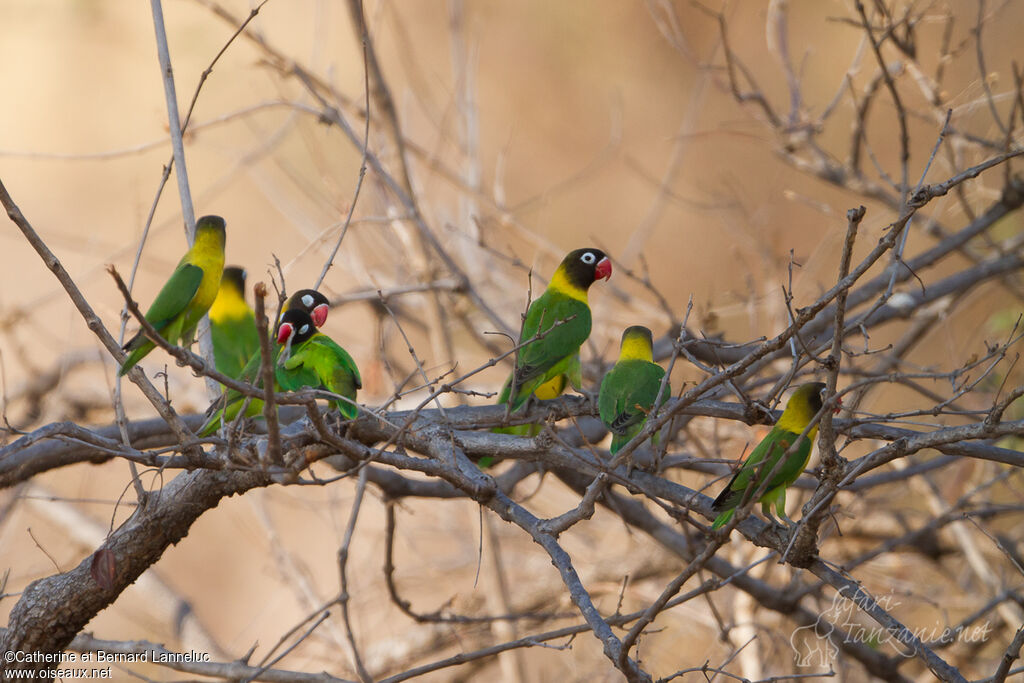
(531, 128)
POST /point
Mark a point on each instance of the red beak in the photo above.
(320, 315)
(284, 332)
(839, 405)
(603, 270)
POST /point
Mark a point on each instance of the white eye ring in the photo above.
(588, 258)
(307, 300)
(304, 329)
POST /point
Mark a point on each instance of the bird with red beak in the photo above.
(555, 327)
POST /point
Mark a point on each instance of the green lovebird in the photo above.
(562, 315)
(801, 408)
(312, 359)
(315, 306)
(630, 388)
(309, 300)
(232, 324)
(187, 295)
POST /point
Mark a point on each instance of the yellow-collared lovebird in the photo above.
(187, 295)
(631, 387)
(561, 319)
(314, 360)
(801, 408)
(232, 324)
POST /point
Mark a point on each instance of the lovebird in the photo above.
(556, 354)
(631, 387)
(315, 306)
(801, 408)
(232, 324)
(314, 360)
(310, 301)
(187, 295)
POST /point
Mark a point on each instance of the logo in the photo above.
(817, 644)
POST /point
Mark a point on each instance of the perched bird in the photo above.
(801, 408)
(308, 301)
(562, 316)
(187, 295)
(312, 359)
(631, 387)
(232, 324)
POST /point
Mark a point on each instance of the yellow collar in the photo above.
(560, 283)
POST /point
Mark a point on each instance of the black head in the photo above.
(296, 327)
(815, 395)
(638, 332)
(312, 302)
(582, 267)
(213, 225)
(235, 276)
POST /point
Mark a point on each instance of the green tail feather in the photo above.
(618, 441)
(722, 519)
(520, 430)
(137, 354)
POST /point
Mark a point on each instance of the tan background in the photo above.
(581, 109)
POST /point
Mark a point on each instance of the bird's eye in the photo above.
(304, 329)
(589, 258)
(307, 300)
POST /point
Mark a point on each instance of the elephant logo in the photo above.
(812, 643)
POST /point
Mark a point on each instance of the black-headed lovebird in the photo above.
(631, 387)
(232, 324)
(801, 408)
(561, 315)
(308, 301)
(187, 295)
(311, 359)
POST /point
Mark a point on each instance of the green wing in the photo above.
(300, 370)
(751, 475)
(167, 314)
(320, 363)
(628, 393)
(543, 359)
(341, 370)
(175, 296)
